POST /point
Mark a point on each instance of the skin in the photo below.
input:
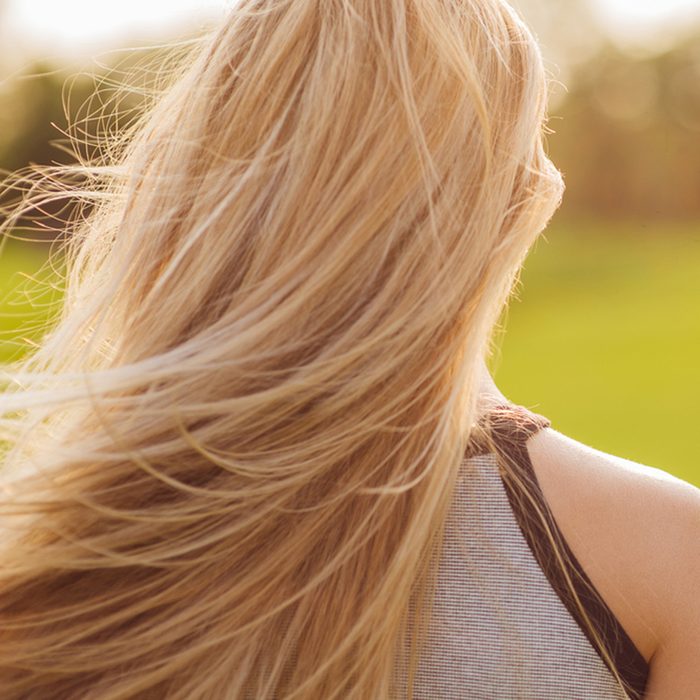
(635, 530)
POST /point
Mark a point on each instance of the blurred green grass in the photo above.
(29, 297)
(603, 339)
(602, 335)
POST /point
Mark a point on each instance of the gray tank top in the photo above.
(504, 623)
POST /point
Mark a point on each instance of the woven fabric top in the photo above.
(503, 625)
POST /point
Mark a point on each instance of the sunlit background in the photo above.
(603, 336)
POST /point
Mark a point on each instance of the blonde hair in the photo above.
(230, 459)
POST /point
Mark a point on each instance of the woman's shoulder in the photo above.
(635, 530)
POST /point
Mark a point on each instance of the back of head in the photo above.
(246, 426)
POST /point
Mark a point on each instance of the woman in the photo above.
(252, 458)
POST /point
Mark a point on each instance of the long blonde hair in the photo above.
(229, 461)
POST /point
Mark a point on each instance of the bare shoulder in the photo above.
(635, 529)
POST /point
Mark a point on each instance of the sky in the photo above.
(78, 26)
(646, 11)
(635, 20)
(81, 26)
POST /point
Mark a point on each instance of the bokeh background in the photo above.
(603, 336)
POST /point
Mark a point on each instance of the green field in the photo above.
(28, 295)
(602, 337)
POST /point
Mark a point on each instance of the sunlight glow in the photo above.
(80, 26)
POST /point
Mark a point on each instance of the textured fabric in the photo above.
(499, 627)
(499, 630)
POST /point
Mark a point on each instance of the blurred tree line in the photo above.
(627, 129)
(628, 135)
(53, 115)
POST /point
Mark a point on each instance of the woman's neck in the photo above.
(489, 393)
